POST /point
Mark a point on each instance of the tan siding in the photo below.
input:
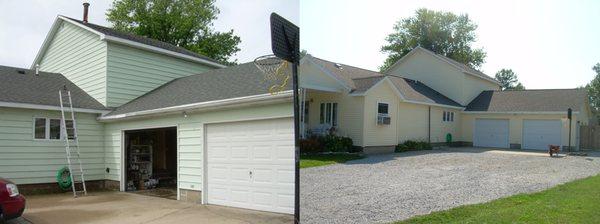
(474, 86)
(25, 160)
(350, 113)
(381, 135)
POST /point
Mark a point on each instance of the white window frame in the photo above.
(329, 116)
(47, 129)
(448, 116)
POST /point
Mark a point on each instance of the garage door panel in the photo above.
(538, 134)
(263, 147)
(491, 133)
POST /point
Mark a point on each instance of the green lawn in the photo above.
(322, 160)
(574, 202)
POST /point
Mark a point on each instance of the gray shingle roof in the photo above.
(225, 83)
(417, 91)
(362, 80)
(542, 100)
(143, 40)
(40, 89)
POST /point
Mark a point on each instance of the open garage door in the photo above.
(491, 133)
(538, 134)
(250, 164)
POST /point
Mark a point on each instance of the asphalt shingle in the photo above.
(542, 100)
(19, 85)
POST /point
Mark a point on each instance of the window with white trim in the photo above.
(328, 114)
(49, 129)
(448, 116)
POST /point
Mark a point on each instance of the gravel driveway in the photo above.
(393, 187)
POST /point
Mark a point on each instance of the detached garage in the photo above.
(525, 119)
(234, 141)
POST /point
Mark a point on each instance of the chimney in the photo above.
(85, 12)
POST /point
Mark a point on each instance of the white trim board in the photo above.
(48, 107)
(239, 101)
(521, 112)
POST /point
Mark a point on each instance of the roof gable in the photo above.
(111, 35)
(457, 65)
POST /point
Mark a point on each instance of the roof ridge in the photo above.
(524, 90)
(93, 25)
(347, 65)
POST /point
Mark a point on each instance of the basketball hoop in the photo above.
(277, 72)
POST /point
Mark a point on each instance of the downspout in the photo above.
(429, 126)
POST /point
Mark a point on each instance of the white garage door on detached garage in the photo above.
(491, 133)
(538, 134)
(251, 164)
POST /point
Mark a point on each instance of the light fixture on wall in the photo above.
(185, 114)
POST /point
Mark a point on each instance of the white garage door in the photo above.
(491, 133)
(251, 164)
(538, 134)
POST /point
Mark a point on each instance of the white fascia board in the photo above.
(203, 105)
(48, 107)
(320, 88)
(435, 104)
(521, 112)
(160, 50)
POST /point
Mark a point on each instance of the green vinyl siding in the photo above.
(133, 72)
(190, 134)
(80, 56)
(26, 160)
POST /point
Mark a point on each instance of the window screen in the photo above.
(382, 108)
(54, 128)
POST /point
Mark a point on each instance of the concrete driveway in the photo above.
(394, 187)
(119, 207)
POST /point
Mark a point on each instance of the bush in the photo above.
(411, 145)
(311, 146)
(327, 143)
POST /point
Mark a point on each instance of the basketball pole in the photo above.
(296, 142)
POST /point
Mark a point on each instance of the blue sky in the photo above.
(549, 44)
(25, 23)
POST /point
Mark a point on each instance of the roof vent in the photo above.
(338, 65)
(21, 72)
(85, 12)
(37, 69)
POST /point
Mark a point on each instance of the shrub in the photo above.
(311, 146)
(327, 143)
(411, 145)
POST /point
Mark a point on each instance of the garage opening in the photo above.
(151, 162)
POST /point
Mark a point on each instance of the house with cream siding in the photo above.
(428, 97)
(149, 115)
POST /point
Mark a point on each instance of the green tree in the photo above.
(508, 80)
(184, 23)
(441, 32)
(593, 89)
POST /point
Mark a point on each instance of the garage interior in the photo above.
(151, 162)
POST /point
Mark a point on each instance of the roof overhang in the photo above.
(322, 79)
(401, 96)
(49, 107)
(59, 19)
(230, 103)
(521, 112)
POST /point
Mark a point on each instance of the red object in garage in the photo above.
(12, 204)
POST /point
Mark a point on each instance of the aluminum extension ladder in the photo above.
(72, 148)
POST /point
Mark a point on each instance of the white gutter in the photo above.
(48, 107)
(203, 105)
(520, 112)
